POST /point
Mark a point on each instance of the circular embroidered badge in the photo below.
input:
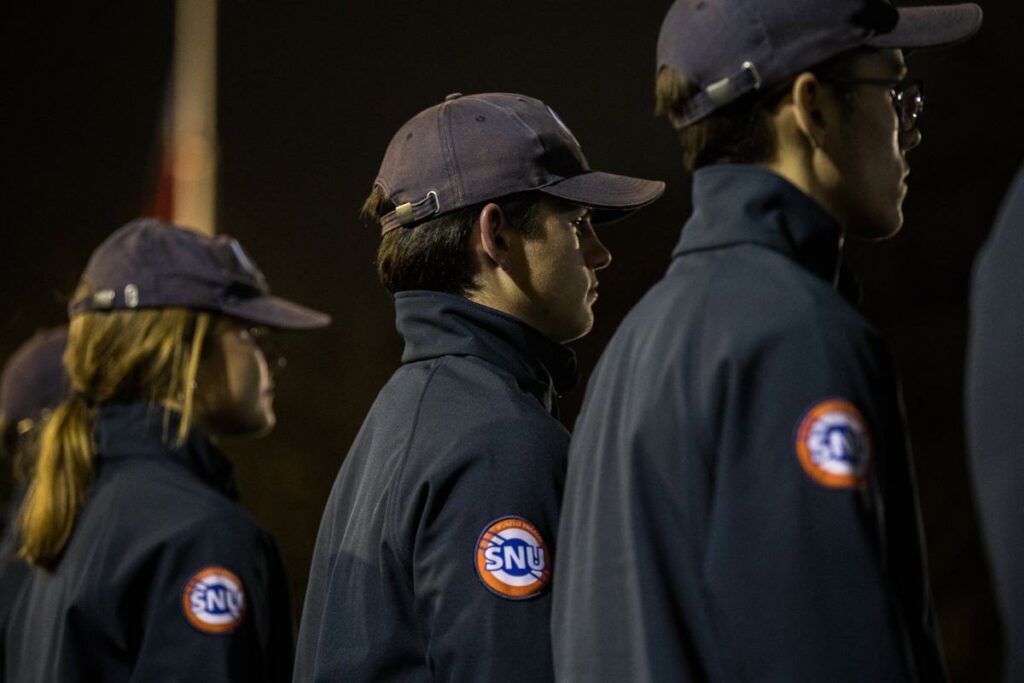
(214, 600)
(833, 444)
(512, 559)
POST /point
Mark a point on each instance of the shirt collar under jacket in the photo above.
(434, 324)
(136, 430)
(742, 204)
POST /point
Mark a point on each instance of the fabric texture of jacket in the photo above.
(740, 503)
(434, 555)
(995, 421)
(164, 577)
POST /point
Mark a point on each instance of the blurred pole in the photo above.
(194, 116)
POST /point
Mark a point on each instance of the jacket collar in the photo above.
(743, 204)
(434, 324)
(140, 430)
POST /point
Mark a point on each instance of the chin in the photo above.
(254, 425)
(261, 426)
(580, 329)
(877, 227)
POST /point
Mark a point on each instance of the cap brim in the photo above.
(274, 311)
(932, 26)
(612, 196)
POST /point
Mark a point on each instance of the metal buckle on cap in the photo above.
(726, 90)
(131, 296)
(104, 298)
(749, 66)
(719, 94)
(410, 212)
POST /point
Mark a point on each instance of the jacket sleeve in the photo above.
(483, 554)
(814, 555)
(216, 608)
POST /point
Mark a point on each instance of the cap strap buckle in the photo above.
(717, 95)
(410, 213)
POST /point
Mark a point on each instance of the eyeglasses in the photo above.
(260, 336)
(907, 98)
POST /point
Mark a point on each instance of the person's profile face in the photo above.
(870, 150)
(234, 386)
(562, 263)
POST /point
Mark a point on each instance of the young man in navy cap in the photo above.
(740, 502)
(995, 373)
(436, 549)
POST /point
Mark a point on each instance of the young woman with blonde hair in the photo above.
(147, 569)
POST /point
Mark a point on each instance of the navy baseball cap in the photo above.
(151, 264)
(732, 47)
(473, 148)
(34, 380)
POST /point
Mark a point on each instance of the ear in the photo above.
(494, 235)
(811, 109)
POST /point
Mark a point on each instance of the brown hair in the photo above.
(150, 355)
(740, 132)
(435, 254)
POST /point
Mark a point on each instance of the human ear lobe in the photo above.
(494, 235)
(808, 109)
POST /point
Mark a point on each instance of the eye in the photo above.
(577, 230)
(581, 225)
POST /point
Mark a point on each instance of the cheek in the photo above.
(249, 375)
(242, 375)
(251, 409)
(212, 376)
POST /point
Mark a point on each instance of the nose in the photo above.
(595, 254)
(909, 141)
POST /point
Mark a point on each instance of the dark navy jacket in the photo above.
(13, 575)
(740, 504)
(459, 440)
(148, 586)
(995, 418)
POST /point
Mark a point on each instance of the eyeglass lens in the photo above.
(909, 102)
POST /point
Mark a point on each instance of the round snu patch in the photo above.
(512, 559)
(214, 600)
(833, 444)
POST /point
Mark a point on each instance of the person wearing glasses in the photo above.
(740, 502)
(144, 566)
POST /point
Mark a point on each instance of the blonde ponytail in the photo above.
(62, 474)
(143, 355)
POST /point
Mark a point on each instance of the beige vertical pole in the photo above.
(195, 115)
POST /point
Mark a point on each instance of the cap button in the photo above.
(452, 96)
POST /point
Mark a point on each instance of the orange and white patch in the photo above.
(512, 559)
(214, 600)
(833, 444)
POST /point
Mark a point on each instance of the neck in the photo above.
(803, 174)
(498, 299)
(806, 164)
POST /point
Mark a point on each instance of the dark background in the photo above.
(310, 94)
